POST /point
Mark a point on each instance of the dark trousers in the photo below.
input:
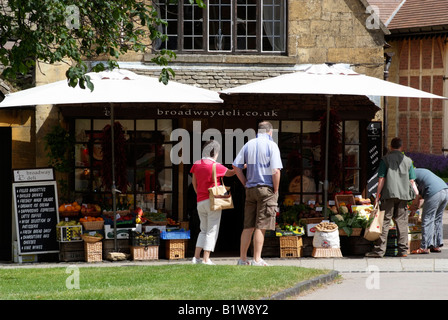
(393, 209)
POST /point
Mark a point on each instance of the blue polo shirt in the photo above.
(262, 157)
(428, 184)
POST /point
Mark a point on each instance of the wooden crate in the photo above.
(93, 252)
(145, 253)
(355, 246)
(71, 251)
(175, 248)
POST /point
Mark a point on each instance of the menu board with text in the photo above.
(36, 208)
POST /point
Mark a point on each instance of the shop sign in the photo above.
(27, 175)
(36, 214)
(216, 113)
(374, 147)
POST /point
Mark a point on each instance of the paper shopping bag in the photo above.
(220, 196)
(374, 230)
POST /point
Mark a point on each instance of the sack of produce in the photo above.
(326, 236)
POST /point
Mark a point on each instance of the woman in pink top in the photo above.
(202, 180)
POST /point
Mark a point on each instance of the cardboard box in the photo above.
(122, 233)
(310, 230)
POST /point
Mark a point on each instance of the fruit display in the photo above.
(151, 238)
(157, 218)
(67, 231)
(289, 230)
(69, 209)
(90, 209)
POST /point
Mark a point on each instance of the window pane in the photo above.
(165, 180)
(352, 180)
(145, 155)
(351, 132)
(82, 158)
(351, 157)
(146, 180)
(165, 127)
(146, 125)
(273, 28)
(82, 177)
(81, 126)
(220, 25)
(193, 26)
(169, 13)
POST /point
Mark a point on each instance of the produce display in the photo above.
(326, 227)
(67, 231)
(151, 238)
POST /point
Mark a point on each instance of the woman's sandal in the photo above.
(420, 251)
(435, 249)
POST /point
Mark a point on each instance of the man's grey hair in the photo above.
(264, 127)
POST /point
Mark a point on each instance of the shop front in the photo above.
(161, 142)
(157, 144)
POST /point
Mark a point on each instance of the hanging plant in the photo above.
(334, 147)
(60, 146)
(121, 181)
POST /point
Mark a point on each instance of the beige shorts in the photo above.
(260, 208)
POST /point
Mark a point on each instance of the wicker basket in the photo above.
(290, 242)
(291, 252)
(356, 232)
(93, 225)
(326, 253)
(93, 251)
(145, 253)
(348, 199)
(91, 239)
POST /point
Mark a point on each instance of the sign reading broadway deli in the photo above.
(189, 112)
(36, 214)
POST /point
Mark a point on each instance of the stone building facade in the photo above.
(315, 31)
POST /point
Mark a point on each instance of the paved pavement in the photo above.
(416, 277)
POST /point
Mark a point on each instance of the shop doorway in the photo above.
(6, 194)
(228, 243)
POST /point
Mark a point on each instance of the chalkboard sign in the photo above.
(36, 207)
(374, 151)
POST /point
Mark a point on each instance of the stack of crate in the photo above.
(291, 246)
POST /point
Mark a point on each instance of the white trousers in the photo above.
(209, 226)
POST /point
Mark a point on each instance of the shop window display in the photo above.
(149, 172)
(302, 175)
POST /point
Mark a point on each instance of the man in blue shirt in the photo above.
(261, 157)
(433, 194)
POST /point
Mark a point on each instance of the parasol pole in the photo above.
(113, 187)
(327, 136)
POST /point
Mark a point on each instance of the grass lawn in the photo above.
(167, 282)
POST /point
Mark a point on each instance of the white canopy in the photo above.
(329, 80)
(117, 86)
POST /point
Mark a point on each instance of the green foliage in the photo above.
(60, 145)
(53, 30)
(348, 221)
